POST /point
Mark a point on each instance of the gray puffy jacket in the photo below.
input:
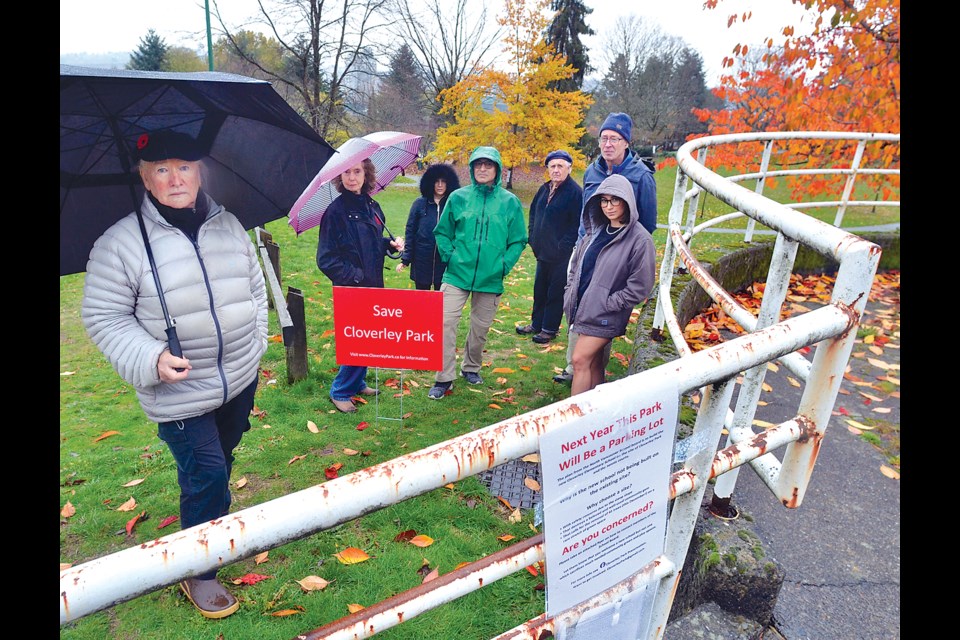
(215, 295)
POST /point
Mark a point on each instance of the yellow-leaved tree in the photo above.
(517, 110)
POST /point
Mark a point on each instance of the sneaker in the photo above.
(440, 389)
(472, 377)
(563, 376)
(544, 337)
(526, 330)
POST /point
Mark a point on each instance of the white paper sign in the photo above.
(606, 487)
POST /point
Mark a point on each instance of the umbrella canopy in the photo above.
(260, 152)
(390, 151)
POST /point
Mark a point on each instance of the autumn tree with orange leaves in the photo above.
(518, 110)
(843, 76)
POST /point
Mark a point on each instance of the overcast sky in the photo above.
(105, 26)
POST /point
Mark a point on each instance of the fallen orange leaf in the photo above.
(449, 486)
(65, 565)
(351, 555)
(421, 540)
(327, 333)
(524, 368)
(504, 501)
(494, 405)
(890, 473)
(129, 505)
(132, 522)
(505, 537)
(460, 564)
(766, 387)
(295, 458)
(241, 483)
(106, 434)
(68, 510)
(531, 484)
(793, 382)
(531, 457)
(532, 569)
(260, 558)
(353, 608)
(166, 522)
(313, 583)
(288, 612)
(763, 423)
(276, 338)
(433, 575)
(250, 579)
(503, 370)
(134, 483)
(350, 452)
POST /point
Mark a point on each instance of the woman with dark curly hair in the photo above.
(420, 253)
(351, 252)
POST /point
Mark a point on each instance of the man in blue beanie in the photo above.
(616, 157)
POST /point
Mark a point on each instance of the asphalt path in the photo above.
(840, 549)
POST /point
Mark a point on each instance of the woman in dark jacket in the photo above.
(420, 253)
(612, 270)
(350, 252)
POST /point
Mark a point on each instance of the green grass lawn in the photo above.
(464, 520)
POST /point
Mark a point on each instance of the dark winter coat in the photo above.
(352, 247)
(640, 174)
(623, 275)
(420, 251)
(553, 225)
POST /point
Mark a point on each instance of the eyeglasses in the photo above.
(610, 202)
(610, 140)
(484, 164)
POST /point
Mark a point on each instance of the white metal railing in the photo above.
(103, 582)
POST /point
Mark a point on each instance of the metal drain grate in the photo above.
(507, 479)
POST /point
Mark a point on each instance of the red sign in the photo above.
(388, 328)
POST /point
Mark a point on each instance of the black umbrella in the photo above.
(260, 154)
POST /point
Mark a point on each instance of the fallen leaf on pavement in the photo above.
(531, 484)
(857, 425)
(763, 423)
(890, 473)
(531, 457)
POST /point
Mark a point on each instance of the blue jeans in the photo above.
(348, 382)
(203, 449)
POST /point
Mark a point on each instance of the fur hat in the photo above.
(558, 154)
(437, 172)
(618, 123)
(165, 144)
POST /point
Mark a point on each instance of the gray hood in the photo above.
(615, 185)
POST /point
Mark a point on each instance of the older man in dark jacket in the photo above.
(554, 218)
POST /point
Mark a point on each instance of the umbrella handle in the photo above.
(174, 343)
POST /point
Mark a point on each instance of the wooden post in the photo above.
(272, 249)
(295, 337)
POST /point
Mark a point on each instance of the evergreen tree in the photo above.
(401, 101)
(151, 54)
(563, 35)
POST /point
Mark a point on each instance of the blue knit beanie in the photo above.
(619, 123)
(559, 153)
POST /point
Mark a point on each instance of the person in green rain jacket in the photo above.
(480, 235)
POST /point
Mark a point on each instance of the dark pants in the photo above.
(203, 449)
(548, 286)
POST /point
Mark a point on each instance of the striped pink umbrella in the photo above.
(390, 151)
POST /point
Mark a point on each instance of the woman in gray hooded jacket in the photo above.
(611, 271)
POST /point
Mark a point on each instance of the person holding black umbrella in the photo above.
(350, 251)
(216, 296)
